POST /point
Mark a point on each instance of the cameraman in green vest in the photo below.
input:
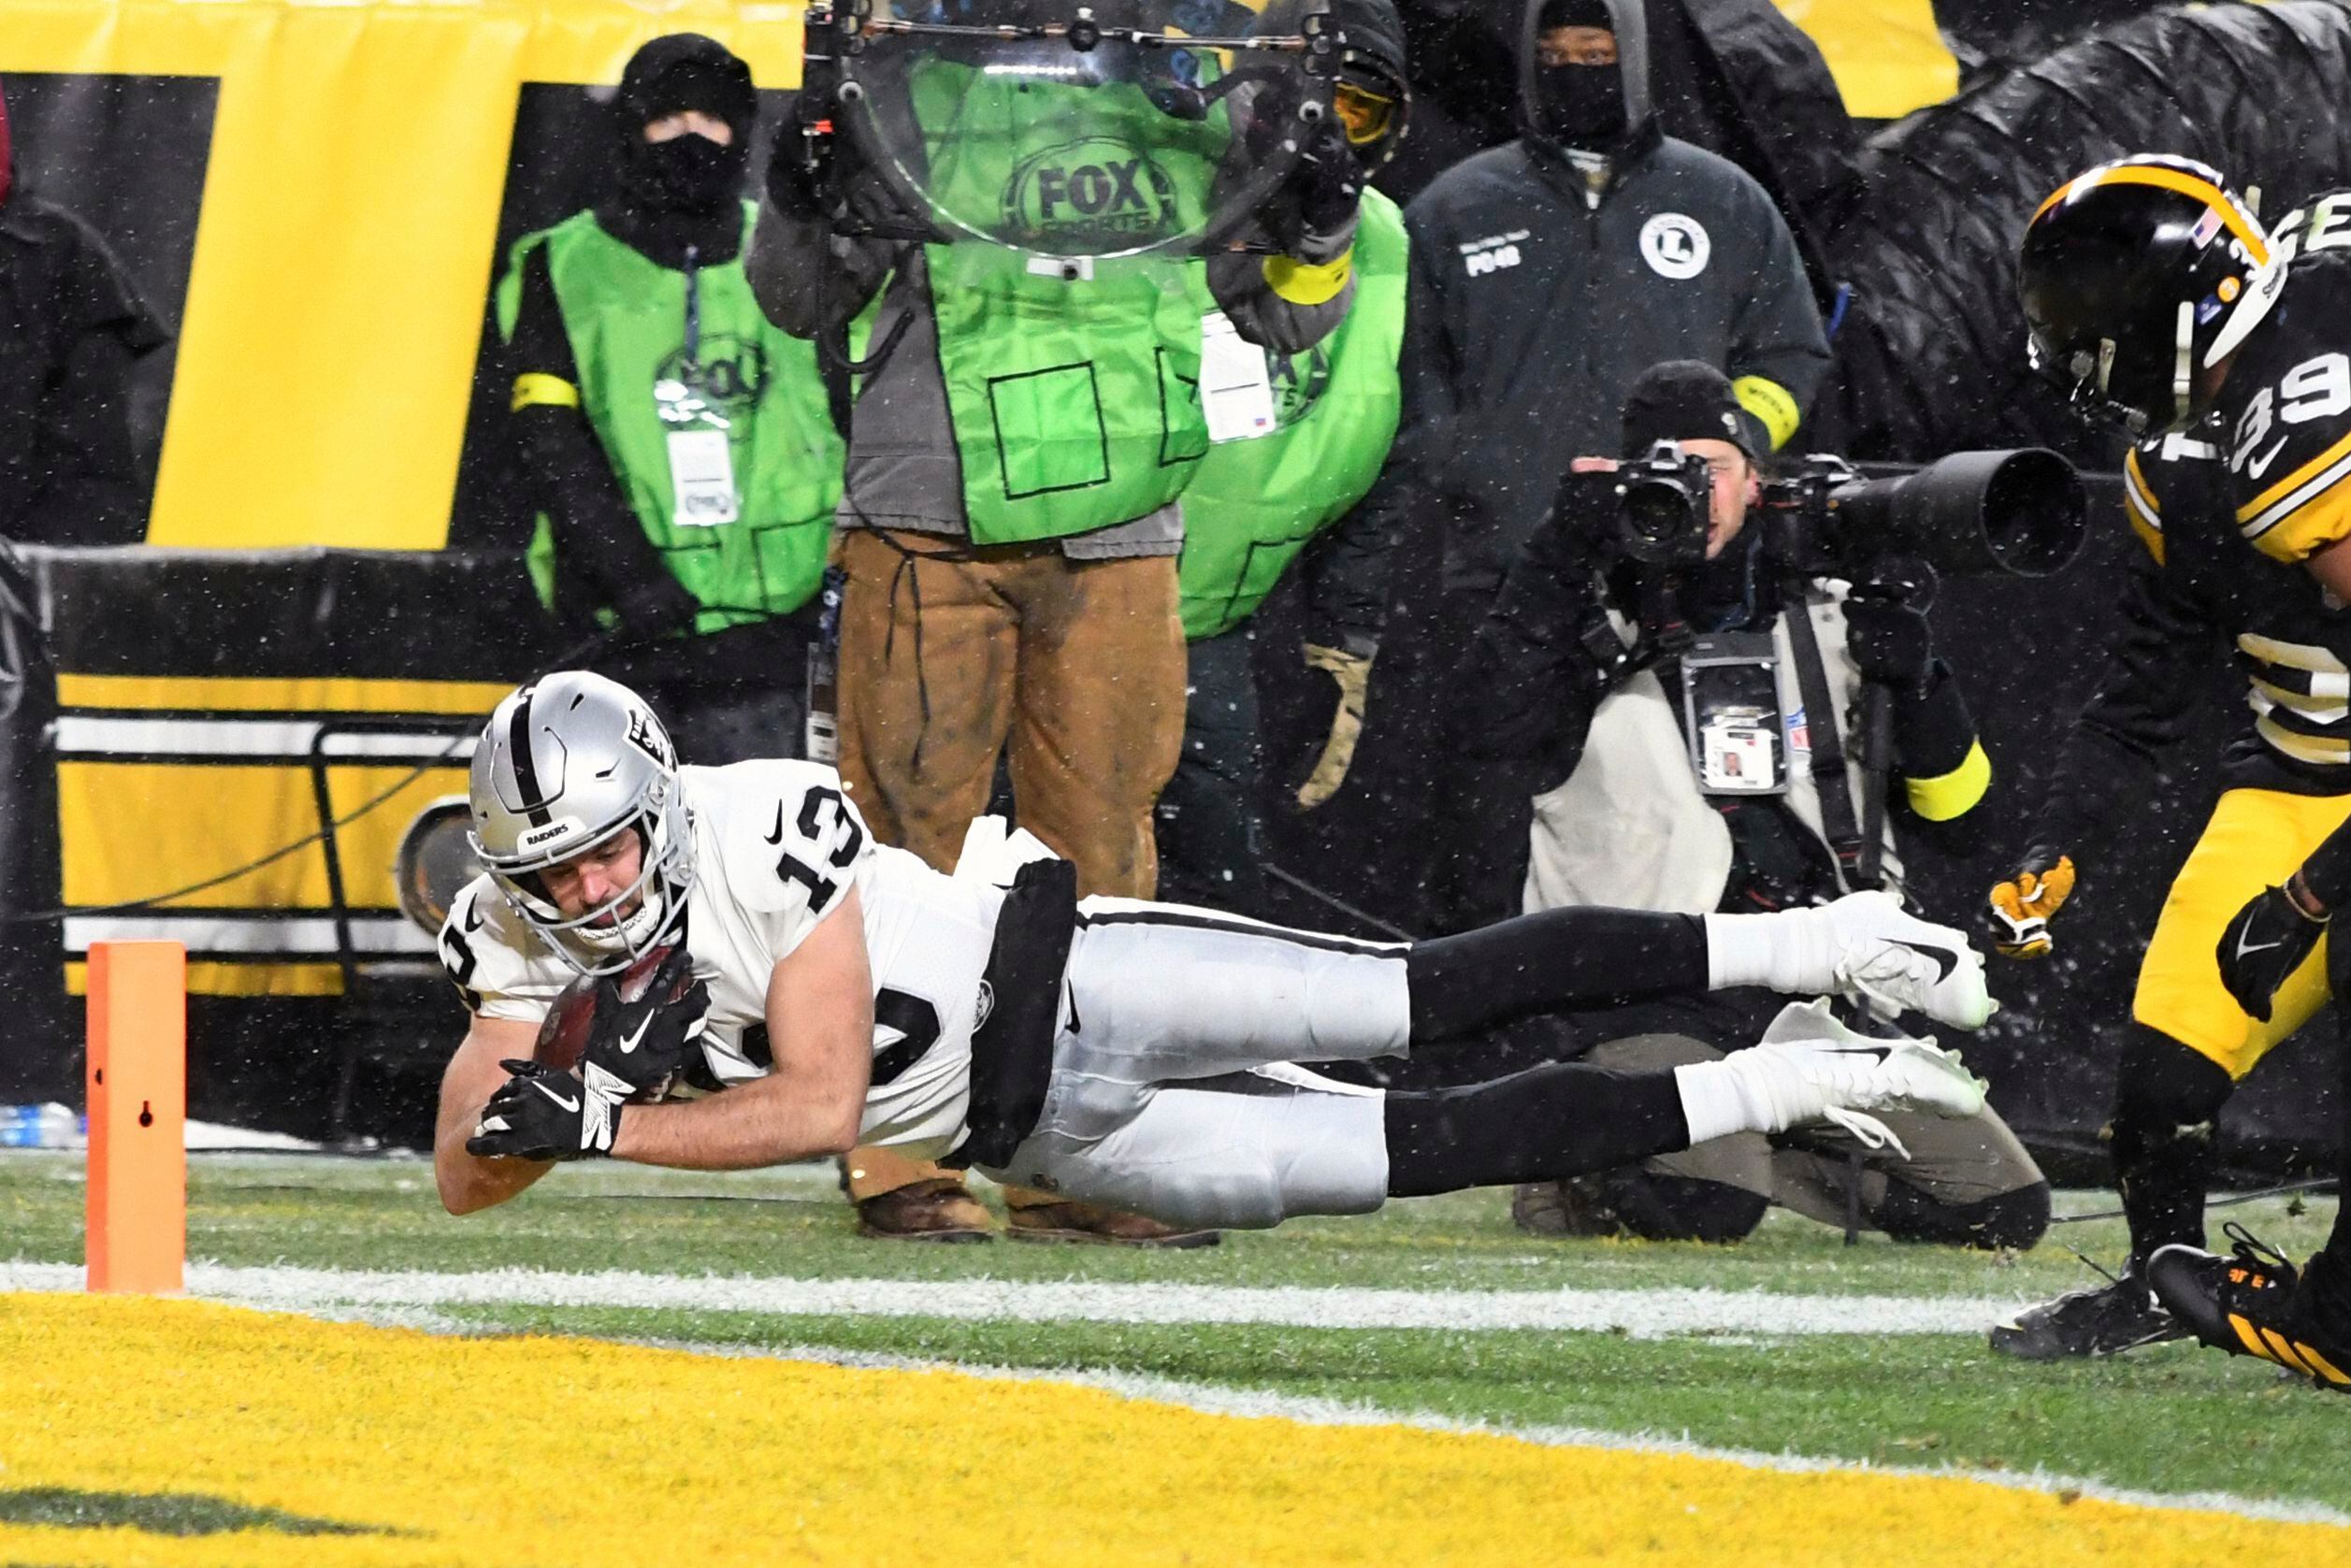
(1253, 506)
(1021, 431)
(682, 450)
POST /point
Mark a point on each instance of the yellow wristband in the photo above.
(536, 388)
(1771, 403)
(1303, 283)
(1953, 794)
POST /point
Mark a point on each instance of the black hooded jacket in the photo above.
(1532, 311)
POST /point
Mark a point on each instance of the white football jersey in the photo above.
(776, 844)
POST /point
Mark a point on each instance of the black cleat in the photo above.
(2250, 1303)
(2101, 1320)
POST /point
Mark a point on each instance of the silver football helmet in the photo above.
(564, 765)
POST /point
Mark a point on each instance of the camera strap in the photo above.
(1839, 819)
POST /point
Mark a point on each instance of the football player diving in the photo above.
(2158, 301)
(750, 979)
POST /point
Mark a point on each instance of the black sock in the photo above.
(1559, 1121)
(1657, 1206)
(1550, 961)
(2167, 1108)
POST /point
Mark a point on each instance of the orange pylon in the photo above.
(139, 1104)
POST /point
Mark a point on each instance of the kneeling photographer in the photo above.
(1700, 687)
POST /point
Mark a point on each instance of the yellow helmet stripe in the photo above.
(2168, 179)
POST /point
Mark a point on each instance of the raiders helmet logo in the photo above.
(646, 737)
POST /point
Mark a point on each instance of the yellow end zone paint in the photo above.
(565, 1451)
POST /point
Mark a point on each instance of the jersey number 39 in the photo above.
(2317, 388)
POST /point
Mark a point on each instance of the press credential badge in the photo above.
(701, 479)
(1236, 391)
(1730, 694)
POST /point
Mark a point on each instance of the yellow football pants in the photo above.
(2256, 839)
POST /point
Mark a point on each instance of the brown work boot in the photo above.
(937, 1210)
(1091, 1224)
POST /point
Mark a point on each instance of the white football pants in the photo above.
(1172, 1092)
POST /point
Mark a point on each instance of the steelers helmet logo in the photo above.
(1094, 191)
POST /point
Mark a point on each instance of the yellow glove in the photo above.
(2022, 905)
(1353, 673)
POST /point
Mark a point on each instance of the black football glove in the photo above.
(643, 1035)
(1889, 641)
(1319, 199)
(2267, 941)
(2020, 907)
(540, 1113)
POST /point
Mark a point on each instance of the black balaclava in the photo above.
(684, 190)
(1581, 106)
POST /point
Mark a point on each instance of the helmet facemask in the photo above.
(604, 940)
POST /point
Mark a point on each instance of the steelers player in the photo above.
(2158, 301)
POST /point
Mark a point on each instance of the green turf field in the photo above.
(2170, 1419)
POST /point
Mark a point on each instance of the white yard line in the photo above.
(1641, 1313)
(1216, 1400)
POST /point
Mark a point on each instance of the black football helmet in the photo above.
(2137, 275)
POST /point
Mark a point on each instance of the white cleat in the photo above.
(1896, 962)
(1809, 1068)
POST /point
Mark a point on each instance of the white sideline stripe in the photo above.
(1641, 1313)
(80, 735)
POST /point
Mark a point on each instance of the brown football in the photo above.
(563, 1036)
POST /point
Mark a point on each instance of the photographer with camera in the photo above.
(1680, 693)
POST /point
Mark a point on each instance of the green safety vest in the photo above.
(1253, 505)
(625, 315)
(1075, 403)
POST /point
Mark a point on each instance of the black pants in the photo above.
(1211, 840)
(728, 696)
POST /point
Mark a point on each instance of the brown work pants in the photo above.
(951, 654)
